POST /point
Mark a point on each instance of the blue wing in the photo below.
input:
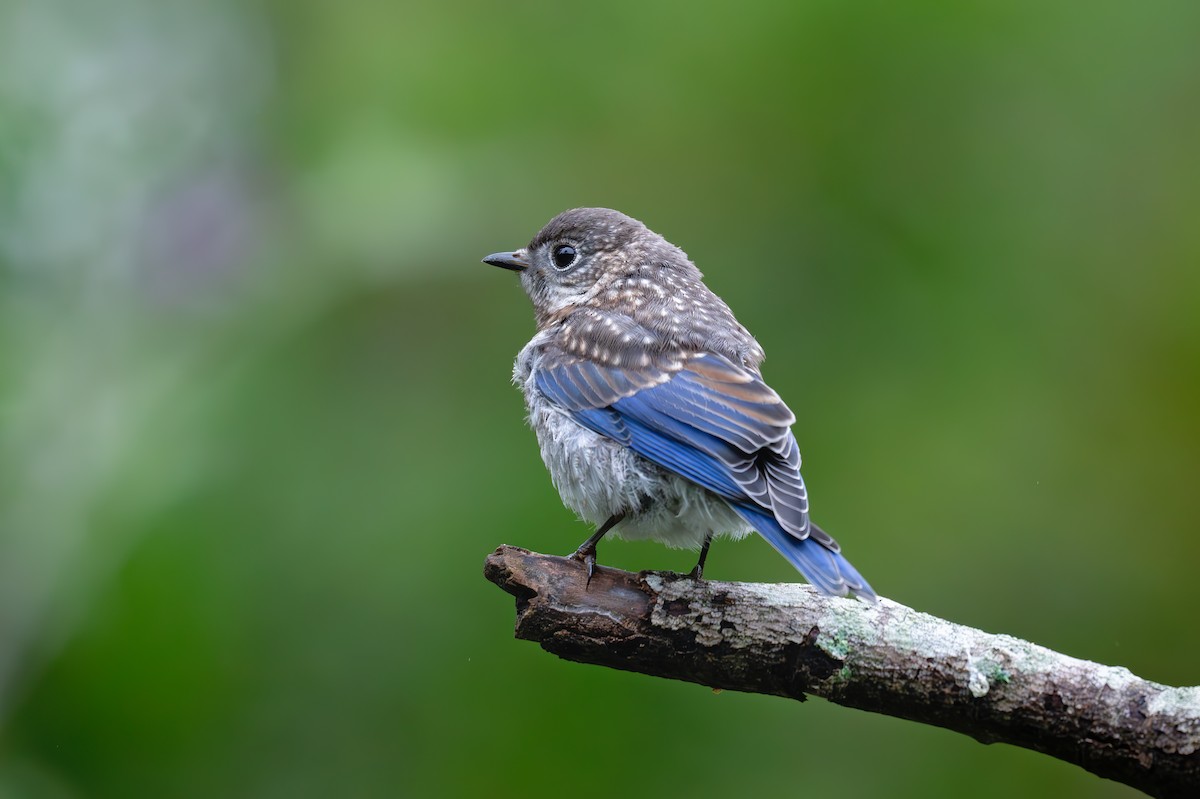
(720, 426)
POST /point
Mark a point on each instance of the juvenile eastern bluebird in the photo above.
(648, 404)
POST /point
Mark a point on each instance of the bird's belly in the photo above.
(599, 478)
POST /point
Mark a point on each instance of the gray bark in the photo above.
(789, 641)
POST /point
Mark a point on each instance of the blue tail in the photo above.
(828, 571)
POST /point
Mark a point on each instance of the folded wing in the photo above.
(715, 423)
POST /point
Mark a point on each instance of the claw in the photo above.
(587, 556)
(587, 550)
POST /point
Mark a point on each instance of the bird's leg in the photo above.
(587, 550)
(697, 573)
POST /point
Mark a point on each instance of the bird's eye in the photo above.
(564, 255)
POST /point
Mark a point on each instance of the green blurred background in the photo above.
(257, 429)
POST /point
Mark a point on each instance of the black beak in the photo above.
(515, 261)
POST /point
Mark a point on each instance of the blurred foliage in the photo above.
(258, 434)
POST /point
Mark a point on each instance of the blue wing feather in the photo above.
(661, 449)
(683, 409)
(689, 403)
(643, 407)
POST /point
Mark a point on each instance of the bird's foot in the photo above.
(697, 573)
(587, 556)
(587, 550)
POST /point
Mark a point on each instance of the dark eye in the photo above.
(564, 255)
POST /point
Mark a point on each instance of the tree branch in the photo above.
(787, 640)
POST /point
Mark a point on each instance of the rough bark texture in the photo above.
(787, 640)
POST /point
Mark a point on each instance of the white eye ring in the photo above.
(563, 256)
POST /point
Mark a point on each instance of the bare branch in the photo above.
(787, 640)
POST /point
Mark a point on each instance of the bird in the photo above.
(648, 403)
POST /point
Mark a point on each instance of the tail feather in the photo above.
(828, 571)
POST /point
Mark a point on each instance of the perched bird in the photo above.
(648, 404)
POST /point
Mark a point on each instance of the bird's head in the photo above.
(579, 253)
